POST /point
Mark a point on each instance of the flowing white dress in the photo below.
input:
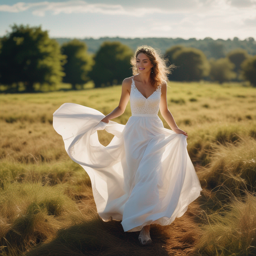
(144, 175)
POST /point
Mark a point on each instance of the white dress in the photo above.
(144, 175)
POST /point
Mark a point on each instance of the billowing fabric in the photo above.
(144, 175)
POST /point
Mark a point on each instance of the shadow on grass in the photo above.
(96, 237)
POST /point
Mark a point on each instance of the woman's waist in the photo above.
(145, 115)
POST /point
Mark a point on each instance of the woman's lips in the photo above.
(141, 68)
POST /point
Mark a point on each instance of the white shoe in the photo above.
(144, 237)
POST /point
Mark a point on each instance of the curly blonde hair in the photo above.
(159, 70)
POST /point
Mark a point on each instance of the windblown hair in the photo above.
(160, 69)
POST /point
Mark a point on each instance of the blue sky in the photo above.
(130, 18)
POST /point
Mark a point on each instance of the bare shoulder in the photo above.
(127, 82)
(163, 87)
(164, 84)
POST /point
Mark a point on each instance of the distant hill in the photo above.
(212, 48)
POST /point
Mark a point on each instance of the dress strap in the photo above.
(159, 88)
(132, 85)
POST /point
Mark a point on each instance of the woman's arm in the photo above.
(125, 95)
(166, 113)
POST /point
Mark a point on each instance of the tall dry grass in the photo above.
(232, 167)
(231, 232)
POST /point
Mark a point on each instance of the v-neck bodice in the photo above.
(140, 105)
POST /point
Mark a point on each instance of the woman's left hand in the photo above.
(179, 131)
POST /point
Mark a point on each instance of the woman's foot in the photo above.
(144, 236)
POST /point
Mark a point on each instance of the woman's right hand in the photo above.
(105, 120)
(179, 131)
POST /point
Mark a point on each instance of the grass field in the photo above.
(46, 203)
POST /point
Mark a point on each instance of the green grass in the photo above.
(46, 202)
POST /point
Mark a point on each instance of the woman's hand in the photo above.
(179, 131)
(105, 120)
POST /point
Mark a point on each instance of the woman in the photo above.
(145, 175)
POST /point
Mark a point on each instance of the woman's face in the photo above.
(143, 63)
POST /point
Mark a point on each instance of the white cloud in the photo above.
(250, 22)
(39, 9)
(77, 7)
(164, 5)
(19, 7)
(131, 7)
(161, 27)
(242, 3)
(184, 18)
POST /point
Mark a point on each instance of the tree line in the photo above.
(210, 47)
(28, 56)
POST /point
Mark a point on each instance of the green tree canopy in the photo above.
(169, 55)
(216, 49)
(222, 70)
(249, 70)
(112, 64)
(171, 51)
(237, 56)
(78, 63)
(29, 56)
(210, 47)
(192, 65)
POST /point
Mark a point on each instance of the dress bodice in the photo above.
(144, 106)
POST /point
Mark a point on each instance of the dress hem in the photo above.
(156, 221)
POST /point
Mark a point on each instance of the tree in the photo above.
(171, 51)
(29, 56)
(222, 70)
(169, 55)
(191, 63)
(249, 70)
(216, 49)
(78, 63)
(112, 64)
(237, 56)
(207, 45)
